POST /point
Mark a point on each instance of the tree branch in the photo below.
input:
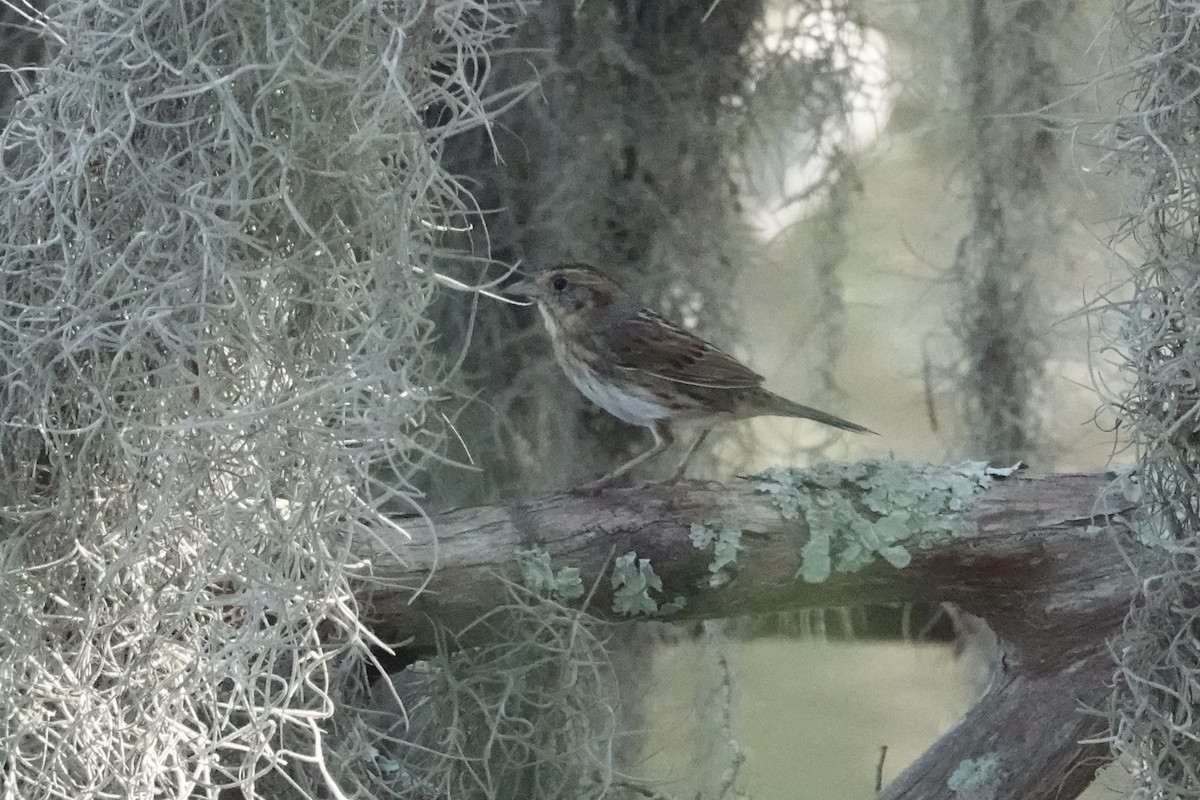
(1040, 558)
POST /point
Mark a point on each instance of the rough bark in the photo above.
(1042, 559)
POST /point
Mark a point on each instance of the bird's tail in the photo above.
(782, 407)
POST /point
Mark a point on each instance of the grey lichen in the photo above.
(632, 581)
(539, 575)
(876, 508)
(725, 541)
(976, 778)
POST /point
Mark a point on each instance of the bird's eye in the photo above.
(559, 283)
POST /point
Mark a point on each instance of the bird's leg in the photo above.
(662, 440)
(687, 457)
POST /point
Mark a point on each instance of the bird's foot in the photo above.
(593, 488)
(676, 476)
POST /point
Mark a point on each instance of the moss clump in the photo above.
(878, 508)
(726, 543)
(539, 575)
(632, 581)
(976, 778)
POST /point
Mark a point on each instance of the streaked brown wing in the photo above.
(652, 344)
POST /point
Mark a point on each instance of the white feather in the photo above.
(630, 404)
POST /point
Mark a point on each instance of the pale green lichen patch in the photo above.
(702, 536)
(538, 574)
(878, 508)
(632, 581)
(725, 541)
(976, 778)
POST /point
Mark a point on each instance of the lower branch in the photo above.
(1039, 558)
(1023, 739)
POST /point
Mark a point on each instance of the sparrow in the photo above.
(644, 369)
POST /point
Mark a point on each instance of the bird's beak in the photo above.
(522, 288)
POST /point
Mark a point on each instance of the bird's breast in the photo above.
(619, 396)
(631, 403)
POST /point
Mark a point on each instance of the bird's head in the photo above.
(570, 290)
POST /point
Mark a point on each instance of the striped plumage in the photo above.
(642, 368)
